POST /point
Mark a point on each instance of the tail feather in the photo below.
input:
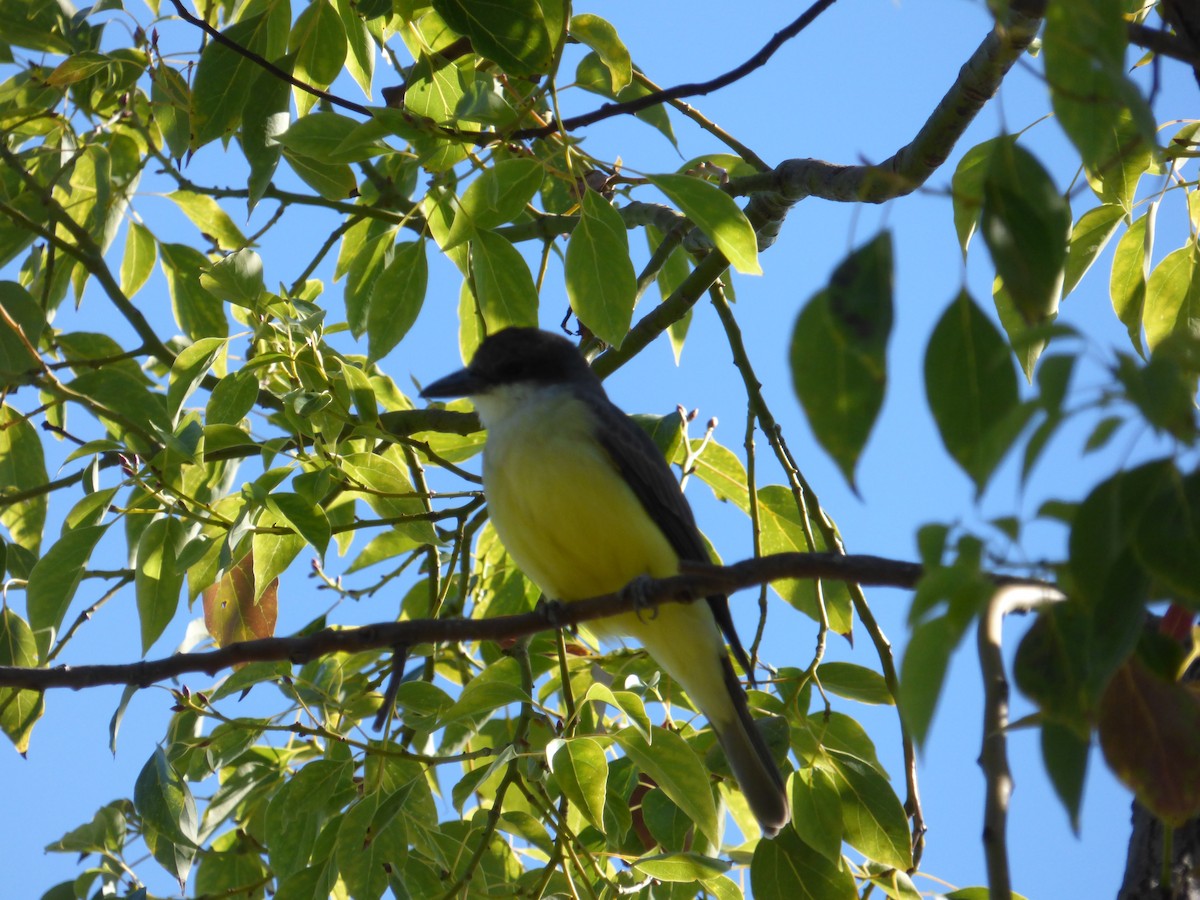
(751, 761)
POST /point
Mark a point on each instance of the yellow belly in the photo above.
(575, 527)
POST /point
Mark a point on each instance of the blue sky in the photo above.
(853, 88)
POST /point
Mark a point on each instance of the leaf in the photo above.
(783, 532)
(1065, 755)
(716, 214)
(232, 398)
(600, 35)
(873, 818)
(197, 312)
(1130, 269)
(496, 686)
(213, 222)
(1150, 733)
(838, 353)
(157, 578)
(363, 255)
(966, 187)
(972, 389)
(678, 771)
(141, 250)
(236, 278)
(519, 35)
(500, 194)
(785, 868)
(306, 517)
(601, 283)
(1096, 104)
(17, 359)
(333, 181)
(1025, 223)
(273, 553)
(19, 709)
(54, 580)
(504, 288)
(235, 611)
(682, 867)
(171, 101)
(593, 75)
(817, 811)
(855, 682)
(1166, 536)
(168, 811)
(22, 466)
(189, 369)
(318, 42)
(223, 79)
(396, 298)
(1089, 237)
(321, 137)
(581, 770)
(1173, 296)
(266, 115)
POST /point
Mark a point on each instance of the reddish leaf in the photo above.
(1150, 734)
(230, 610)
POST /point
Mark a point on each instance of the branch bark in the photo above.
(698, 580)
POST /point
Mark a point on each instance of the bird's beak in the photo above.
(462, 383)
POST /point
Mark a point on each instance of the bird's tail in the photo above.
(750, 759)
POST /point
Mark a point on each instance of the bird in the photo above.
(585, 504)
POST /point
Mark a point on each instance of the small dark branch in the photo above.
(265, 64)
(698, 580)
(1163, 43)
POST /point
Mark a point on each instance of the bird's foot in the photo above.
(639, 590)
(551, 611)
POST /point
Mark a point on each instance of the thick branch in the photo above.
(910, 166)
(699, 581)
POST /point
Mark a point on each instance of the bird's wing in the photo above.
(644, 469)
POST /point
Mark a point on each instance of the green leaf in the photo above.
(504, 288)
(785, 868)
(716, 214)
(273, 553)
(783, 532)
(19, 710)
(17, 361)
(495, 687)
(500, 194)
(318, 42)
(168, 812)
(22, 466)
(855, 682)
(333, 181)
(1130, 270)
(307, 518)
(682, 867)
(389, 493)
(157, 578)
(197, 312)
(972, 389)
(520, 35)
(232, 398)
(1173, 296)
(363, 255)
(1099, 108)
(593, 75)
(1089, 237)
(966, 187)
(321, 137)
(838, 353)
(678, 771)
(141, 250)
(237, 278)
(296, 812)
(213, 222)
(266, 115)
(189, 369)
(922, 672)
(396, 298)
(224, 78)
(171, 101)
(1025, 223)
(1065, 755)
(581, 770)
(817, 811)
(601, 283)
(873, 818)
(1166, 536)
(54, 580)
(600, 35)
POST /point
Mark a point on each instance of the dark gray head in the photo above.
(527, 356)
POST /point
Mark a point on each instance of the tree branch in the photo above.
(994, 757)
(699, 580)
(910, 166)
